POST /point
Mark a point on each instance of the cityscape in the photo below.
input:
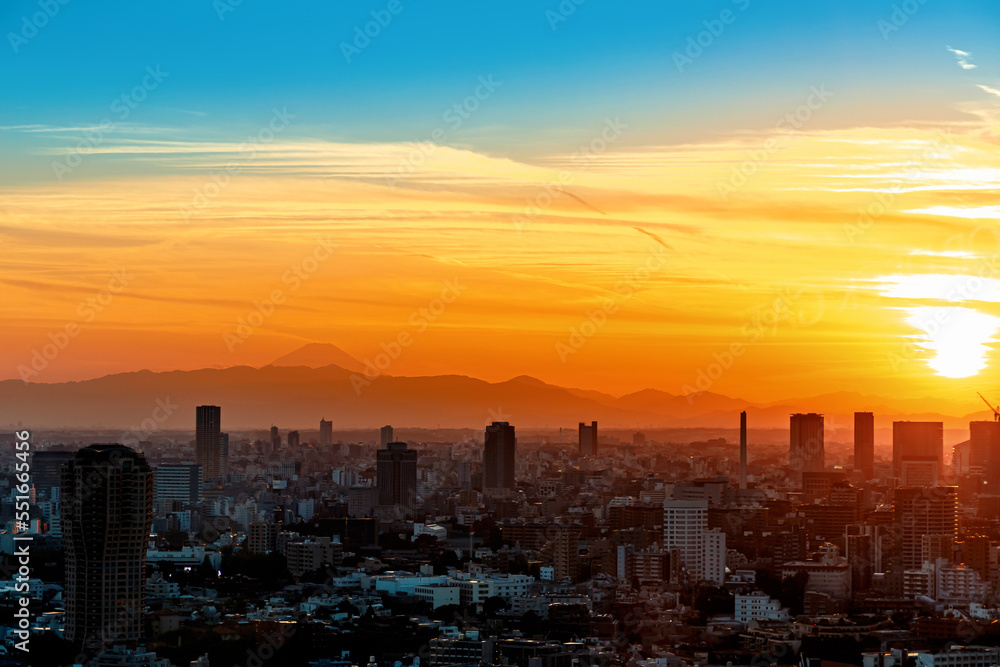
(548, 333)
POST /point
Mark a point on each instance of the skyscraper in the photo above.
(588, 439)
(984, 450)
(208, 430)
(864, 444)
(396, 476)
(806, 450)
(325, 433)
(293, 440)
(925, 515)
(498, 456)
(916, 441)
(275, 440)
(107, 511)
(386, 435)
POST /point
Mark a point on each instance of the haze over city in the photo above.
(549, 333)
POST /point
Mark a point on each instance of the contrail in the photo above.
(654, 237)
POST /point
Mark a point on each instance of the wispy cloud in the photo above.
(991, 91)
(963, 58)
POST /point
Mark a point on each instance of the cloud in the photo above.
(963, 58)
(991, 91)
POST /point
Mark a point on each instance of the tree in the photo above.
(493, 605)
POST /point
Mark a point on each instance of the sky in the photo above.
(761, 199)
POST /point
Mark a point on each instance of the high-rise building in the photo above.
(743, 450)
(864, 444)
(925, 515)
(386, 436)
(325, 433)
(588, 439)
(208, 430)
(293, 441)
(46, 470)
(917, 441)
(984, 450)
(275, 440)
(178, 481)
(806, 450)
(107, 510)
(498, 456)
(396, 476)
(684, 525)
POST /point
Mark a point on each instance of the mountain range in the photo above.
(322, 381)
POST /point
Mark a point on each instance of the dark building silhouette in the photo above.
(916, 441)
(107, 511)
(588, 439)
(293, 440)
(864, 444)
(498, 456)
(396, 470)
(275, 440)
(325, 433)
(385, 435)
(208, 440)
(46, 470)
(806, 449)
(984, 450)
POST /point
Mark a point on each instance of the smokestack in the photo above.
(743, 449)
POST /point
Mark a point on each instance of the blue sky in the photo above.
(605, 59)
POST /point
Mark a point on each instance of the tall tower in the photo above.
(107, 511)
(293, 440)
(916, 441)
(588, 439)
(275, 440)
(864, 444)
(223, 454)
(386, 435)
(498, 456)
(208, 430)
(325, 433)
(805, 451)
(396, 476)
(743, 449)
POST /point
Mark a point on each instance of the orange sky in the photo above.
(814, 295)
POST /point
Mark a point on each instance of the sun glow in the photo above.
(959, 337)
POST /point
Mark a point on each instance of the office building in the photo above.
(927, 521)
(107, 511)
(806, 450)
(498, 456)
(223, 454)
(916, 441)
(864, 444)
(293, 441)
(325, 433)
(275, 440)
(396, 477)
(386, 436)
(984, 450)
(178, 481)
(208, 437)
(588, 439)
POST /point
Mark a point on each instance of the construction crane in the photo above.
(996, 412)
